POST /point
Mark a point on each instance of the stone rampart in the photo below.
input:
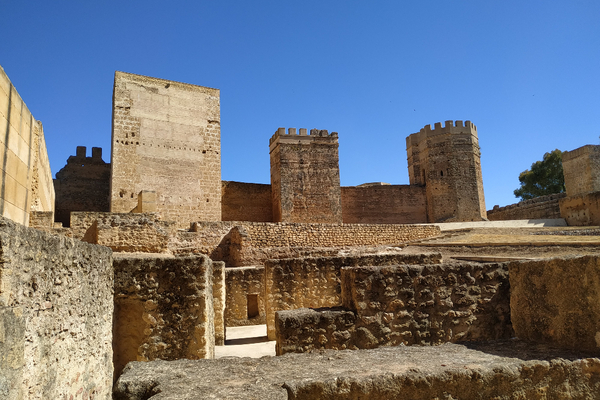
(315, 281)
(246, 202)
(56, 308)
(404, 304)
(163, 309)
(543, 207)
(557, 301)
(24, 165)
(384, 204)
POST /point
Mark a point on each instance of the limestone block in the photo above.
(557, 301)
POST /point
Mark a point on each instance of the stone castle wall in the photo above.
(581, 168)
(447, 161)
(166, 138)
(56, 307)
(384, 204)
(246, 202)
(82, 185)
(305, 176)
(581, 210)
(543, 207)
(25, 168)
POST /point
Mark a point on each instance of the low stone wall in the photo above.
(56, 308)
(245, 304)
(557, 301)
(126, 232)
(404, 304)
(581, 210)
(543, 207)
(246, 202)
(163, 309)
(316, 282)
(384, 204)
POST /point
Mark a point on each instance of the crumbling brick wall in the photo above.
(404, 304)
(166, 137)
(83, 184)
(316, 282)
(56, 307)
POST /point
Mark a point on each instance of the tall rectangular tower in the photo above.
(166, 138)
(305, 176)
(581, 168)
(447, 160)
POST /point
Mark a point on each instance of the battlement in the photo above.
(450, 127)
(81, 155)
(301, 135)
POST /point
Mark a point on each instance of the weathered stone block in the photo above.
(557, 301)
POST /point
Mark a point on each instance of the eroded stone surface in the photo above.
(503, 370)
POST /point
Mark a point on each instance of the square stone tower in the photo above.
(581, 168)
(166, 138)
(305, 176)
(447, 160)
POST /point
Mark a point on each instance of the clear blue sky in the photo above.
(527, 73)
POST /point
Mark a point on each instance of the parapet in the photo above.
(80, 156)
(450, 127)
(293, 136)
(586, 150)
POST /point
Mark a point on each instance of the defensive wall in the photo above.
(24, 165)
(543, 207)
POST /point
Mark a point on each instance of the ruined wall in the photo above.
(219, 298)
(384, 204)
(163, 309)
(24, 165)
(315, 282)
(581, 168)
(447, 160)
(557, 301)
(404, 304)
(246, 202)
(145, 233)
(82, 185)
(305, 176)
(166, 138)
(245, 296)
(56, 307)
(543, 207)
(581, 210)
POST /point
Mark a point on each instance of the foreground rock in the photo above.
(507, 369)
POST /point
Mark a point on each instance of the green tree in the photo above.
(545, 177)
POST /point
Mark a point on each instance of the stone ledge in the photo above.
(507, 369)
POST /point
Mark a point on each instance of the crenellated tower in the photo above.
(446, 160)
(305, 176)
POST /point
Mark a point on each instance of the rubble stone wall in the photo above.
(219, 299)
(557, 301)
(166, 138)
(246, 202)
(384, 204)
(24, 165)
(56, 309)
(404, 304)
(543, 207)
(242, 282)
(163, 309)
(315, 281)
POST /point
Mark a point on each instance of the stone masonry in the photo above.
(447, 161)
(166, 138)
(305, 176)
